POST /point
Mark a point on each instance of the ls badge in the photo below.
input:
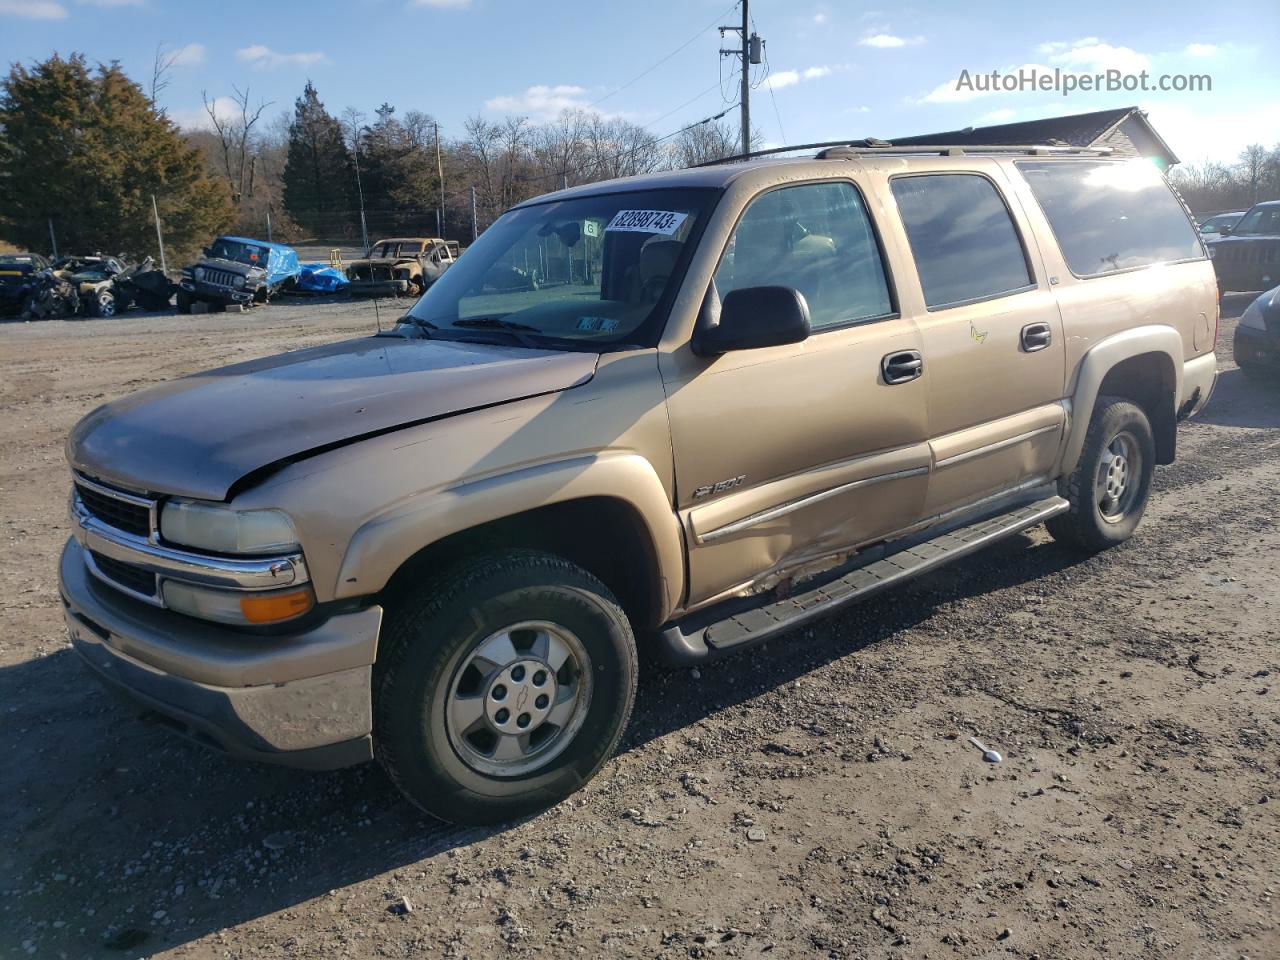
(721, 487)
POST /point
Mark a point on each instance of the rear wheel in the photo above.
(1109, 488)
(104, 304)
(503, 688)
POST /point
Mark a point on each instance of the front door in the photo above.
(791, 454)
(993, 343)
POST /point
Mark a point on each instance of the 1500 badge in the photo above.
(721, 487)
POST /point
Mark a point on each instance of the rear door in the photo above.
(791, 453)
(992, 334)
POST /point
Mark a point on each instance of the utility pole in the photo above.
(475, 223)
(440, 177)
(752, 46)
(155, 212)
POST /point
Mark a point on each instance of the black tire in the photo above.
(1088, 525)
(105, 304)
(183, 301)
(430, 637)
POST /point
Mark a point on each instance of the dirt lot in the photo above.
(817, 799)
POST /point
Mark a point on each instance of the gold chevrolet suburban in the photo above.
(687, 411)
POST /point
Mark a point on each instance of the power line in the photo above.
(641, 76)
(768, 72)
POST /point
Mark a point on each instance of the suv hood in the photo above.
(197, 435)
(231, 266)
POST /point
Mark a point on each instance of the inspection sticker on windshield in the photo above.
(647, 221)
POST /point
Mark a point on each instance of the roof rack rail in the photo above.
(843, 149)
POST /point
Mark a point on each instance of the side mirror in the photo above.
(753, 317)
(1224, 231)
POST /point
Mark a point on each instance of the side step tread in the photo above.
(757, 624)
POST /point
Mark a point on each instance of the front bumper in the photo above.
(302, 699)
(211, 293)
(378, 288)
(1257, 349)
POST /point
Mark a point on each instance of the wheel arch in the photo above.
(610, 515)
(1143, 365)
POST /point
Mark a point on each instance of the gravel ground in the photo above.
(817, 798)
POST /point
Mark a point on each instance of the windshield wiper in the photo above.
(498, 323)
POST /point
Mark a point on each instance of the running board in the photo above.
(701, 637)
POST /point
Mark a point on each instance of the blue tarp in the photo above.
(320, 278)
(282, 261)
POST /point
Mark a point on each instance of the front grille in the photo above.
(130, 517)
(1248, 254)
(219, 278)
(125, 574)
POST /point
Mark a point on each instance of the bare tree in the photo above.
(1253, 169)
(711, 140)
(234, 135)
(160, 69)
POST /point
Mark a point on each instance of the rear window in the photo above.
(962, 238)
(1109, 216)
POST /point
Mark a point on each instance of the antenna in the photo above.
(377, 314)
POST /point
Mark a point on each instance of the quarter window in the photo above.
(962, 238)
(1109, 215)
(816, 238)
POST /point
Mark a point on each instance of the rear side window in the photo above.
(817, 238)
(1109, 216)
(962, 238)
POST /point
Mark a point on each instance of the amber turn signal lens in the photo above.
(273, 607)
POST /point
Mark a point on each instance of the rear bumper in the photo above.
(301, 699)
(1199, 375)
(378, 288)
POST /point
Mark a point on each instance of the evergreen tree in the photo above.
(88, 150)
(319, 182)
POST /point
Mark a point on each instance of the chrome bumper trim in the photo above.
(258, 573)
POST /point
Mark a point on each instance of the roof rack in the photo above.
(843, 150)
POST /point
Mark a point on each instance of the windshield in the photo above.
(250, 253)
(1260, 221)
(594, 268)
(388, 250)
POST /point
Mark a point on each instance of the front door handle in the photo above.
(902, 367)
(1036, 336)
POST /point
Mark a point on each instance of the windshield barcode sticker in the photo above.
(647, 221)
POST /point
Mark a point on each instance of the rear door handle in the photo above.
(1036, 336)
(902, 367)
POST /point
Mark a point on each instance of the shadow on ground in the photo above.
(127, 840)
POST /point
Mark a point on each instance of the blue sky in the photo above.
(837, 69)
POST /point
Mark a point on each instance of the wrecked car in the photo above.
(237, 271)
(109, 285)
(402, 267)
(18, 273)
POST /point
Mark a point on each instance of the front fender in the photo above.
(382, 544)
(1098, 362)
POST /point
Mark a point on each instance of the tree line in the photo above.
(1220, 187)
(84, 149)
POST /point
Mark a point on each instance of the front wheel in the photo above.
(503, 688)
(105, 304)
(1111, 484)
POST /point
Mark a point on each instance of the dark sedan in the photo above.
(1257, 342)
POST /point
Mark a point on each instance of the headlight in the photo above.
(1252, 316)
(238, 282)
(238, 607)
(198, 273)
(218, 528)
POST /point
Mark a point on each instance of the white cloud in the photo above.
(997, 116)
(113, 3)
(1091, 55)
(782, 79)
(813, 73)
(543, 101)
(189, 56)
(33, 9)
(889, 41)
(1201, 49)
(264, 58)
(819, 18)
(442, 4)
(197, 118)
